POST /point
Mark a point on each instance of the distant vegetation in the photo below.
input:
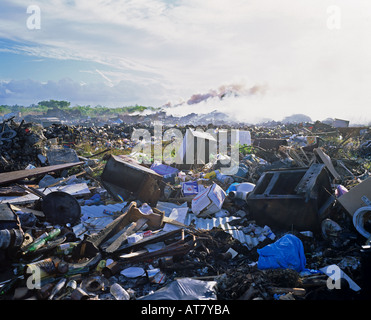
(42, 108)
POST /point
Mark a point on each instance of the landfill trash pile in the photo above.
(19, 146)
(82, 219)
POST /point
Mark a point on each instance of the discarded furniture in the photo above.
(123, 176)
(296, 197)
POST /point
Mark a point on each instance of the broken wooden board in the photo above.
(10, 191)
(160, 236)
(180, 247)
(9, 177)
(132, 228)
(91, 244)
(326, 160)
(155, 219)
(37, 213)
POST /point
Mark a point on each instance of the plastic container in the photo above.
(359, 218)
(365, 253)
(134, 238)
(119, 292)
(241, 190)
(238, 195)
(245, 187)
(210, 175)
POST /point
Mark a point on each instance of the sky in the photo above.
(307, 57)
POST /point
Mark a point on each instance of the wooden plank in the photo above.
(77, 189)
(134, 227)
(23, 209)
(295, 291)
(326, 160)
(12, 191)
(13, 176)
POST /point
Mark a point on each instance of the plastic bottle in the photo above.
(210, 175)
(57, 288)
(101, 265)
(242, 195)
(69, 288)
(119, 292)
(40, 241)
(65, 248)
(146, 209)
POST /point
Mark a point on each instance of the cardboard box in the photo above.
(208, 201)
(352, 200)
(191, 188)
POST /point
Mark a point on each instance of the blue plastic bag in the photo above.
(286, 253)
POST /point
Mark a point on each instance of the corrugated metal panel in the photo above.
(94, 219)
(206, 223)
(209, 223)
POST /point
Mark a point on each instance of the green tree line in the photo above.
(42, 107)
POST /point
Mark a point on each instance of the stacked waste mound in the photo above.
(18, 146)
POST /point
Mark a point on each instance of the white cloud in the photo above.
(193, 46)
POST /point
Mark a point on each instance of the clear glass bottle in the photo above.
(119, 292)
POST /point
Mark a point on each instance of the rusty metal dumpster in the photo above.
(292, 198)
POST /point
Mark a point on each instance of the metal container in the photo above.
(123, 177)
(292, 198)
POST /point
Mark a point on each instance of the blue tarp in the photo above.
(286, 253)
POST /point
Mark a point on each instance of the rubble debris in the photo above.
(59, 156)
(291, 224)
(18, 145)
